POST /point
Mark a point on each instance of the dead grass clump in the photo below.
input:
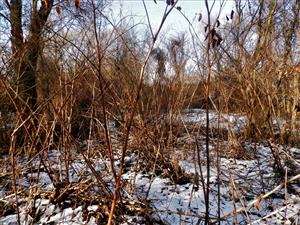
(84, 193)
(158, 164)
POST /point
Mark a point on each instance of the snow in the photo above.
(170, 203)
(234, 121)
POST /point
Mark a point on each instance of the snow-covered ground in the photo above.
(232, 121)
(168, 201)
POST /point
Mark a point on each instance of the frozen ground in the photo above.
(168, 201)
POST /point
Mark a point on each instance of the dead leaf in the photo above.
(77, 4)
(45, 4)
(58, 10)
(213, 32)
(257, 203)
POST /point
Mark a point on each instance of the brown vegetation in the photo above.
(71, 86)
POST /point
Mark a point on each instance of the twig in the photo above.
(13, 165)
(260, 198)
(200, 169)
(269, 215)
(233, 199)
(148, 19)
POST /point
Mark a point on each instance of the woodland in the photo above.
(113, 121)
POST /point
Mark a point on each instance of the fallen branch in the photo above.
(271, 214)
(261, 197)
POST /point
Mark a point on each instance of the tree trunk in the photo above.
(26, 52)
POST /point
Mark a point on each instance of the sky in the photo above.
(175, 22)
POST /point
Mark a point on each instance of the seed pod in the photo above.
(155, 1)
(178, 8)
(231, 14)
(218, 23)
(200, 17)
(227, 18)
(205, 28)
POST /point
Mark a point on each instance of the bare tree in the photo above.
(26, 49)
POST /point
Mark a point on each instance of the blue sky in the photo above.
(175, 22)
